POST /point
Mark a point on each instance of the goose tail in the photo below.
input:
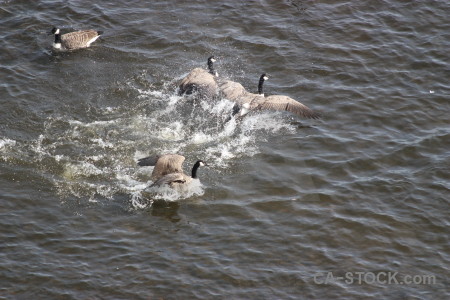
(148, 161)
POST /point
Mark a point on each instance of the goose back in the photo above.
(164, 164)
(201, 81)
(232, 90)
(79, 39)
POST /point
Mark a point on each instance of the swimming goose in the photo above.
(74, 40)
(201, 81)
(249, 101)
(168, 170)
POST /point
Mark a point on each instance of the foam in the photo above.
(4, 143)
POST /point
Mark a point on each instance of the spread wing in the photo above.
(232, 90)
(279, 102)
(166, 164)
(78, 39)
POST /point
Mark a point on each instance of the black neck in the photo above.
(194, 170)
(211, 68)
(58, 38)
(260, 85)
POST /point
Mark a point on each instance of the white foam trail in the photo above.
(145, 197)
(138, 201)
(145, 94)
(173, 132)
(195, 188)
(102, 143)
(200, 138)
(82, 169)
(269, 121)
(4, 143)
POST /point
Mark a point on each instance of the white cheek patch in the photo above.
(202, 164)
(57, 31)
(266, 78)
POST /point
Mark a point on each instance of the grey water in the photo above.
(289, 208)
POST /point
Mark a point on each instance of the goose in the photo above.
(201, 81)
(246, 101)
(74, 40)
(168, 170)
(234, 91)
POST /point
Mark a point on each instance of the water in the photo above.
(285, 201)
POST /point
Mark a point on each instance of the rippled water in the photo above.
(285, 202)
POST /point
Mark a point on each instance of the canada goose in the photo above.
(201, 81)
(249, 101)
(168, 170)
(74, 40)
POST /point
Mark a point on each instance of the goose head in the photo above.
(57, 42)
(198, 163)
(211, 61)
(55, 31)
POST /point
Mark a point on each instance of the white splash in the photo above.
(4, 143)
(79, 170)
(195, 188)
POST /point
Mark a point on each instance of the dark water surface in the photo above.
(285, 203)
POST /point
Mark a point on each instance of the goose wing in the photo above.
(280, 102)
(166, 164)
(198, 79)
(232, 90)
(172, 178)
(194, 76)
(79, 39)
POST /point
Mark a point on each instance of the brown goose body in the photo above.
(74, 40)
(233, 91)
(164, 164)
(168, 170)
(200, 81)
(174, 180)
